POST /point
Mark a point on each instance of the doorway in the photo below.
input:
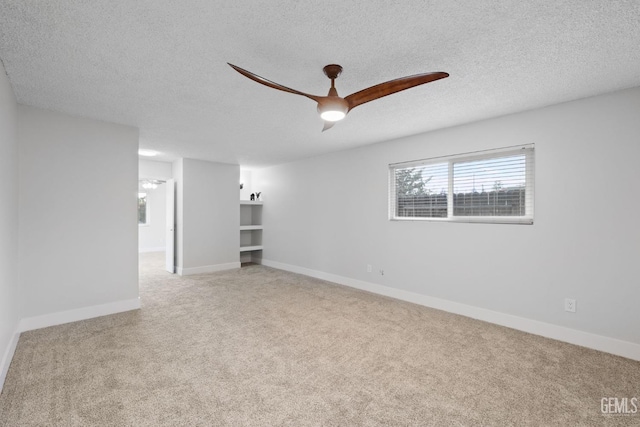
(156, 221)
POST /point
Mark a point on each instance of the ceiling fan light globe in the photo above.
(332, 115)
(147, 153)
(333, 108)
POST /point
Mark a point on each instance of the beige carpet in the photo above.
(263, 347)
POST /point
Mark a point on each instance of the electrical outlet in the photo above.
(369, 268)
(570, 305)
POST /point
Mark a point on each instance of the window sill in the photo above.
(476, 220)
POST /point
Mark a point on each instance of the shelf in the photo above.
(250, 227)
(250, 230)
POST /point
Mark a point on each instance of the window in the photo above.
(143, 215)
(488, 186)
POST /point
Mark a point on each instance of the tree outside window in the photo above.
(142, 209)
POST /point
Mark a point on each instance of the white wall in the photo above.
(208, 216)
(245, 178)
(152, 169)
(152, 236)
(9, 291)
(78, 226)
(329, 214)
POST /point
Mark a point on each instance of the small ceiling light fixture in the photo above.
(147, 153)
(150, 184)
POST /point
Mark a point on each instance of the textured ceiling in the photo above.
(161, 66)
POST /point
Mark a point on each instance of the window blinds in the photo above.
(487, 186)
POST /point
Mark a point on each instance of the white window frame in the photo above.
(528, 150)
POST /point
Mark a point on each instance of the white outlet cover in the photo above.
(570, 305)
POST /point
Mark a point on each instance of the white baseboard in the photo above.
(158, 249)
(207, 268)
(37, 322)
(585, 339)
(7, 357)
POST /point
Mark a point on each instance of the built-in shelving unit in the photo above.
(250, 231)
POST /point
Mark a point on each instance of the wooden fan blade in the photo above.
(392, 86)
(269, 83)
(328, 125)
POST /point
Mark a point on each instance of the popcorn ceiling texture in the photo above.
(161, 65)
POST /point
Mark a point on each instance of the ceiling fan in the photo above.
(332, 107)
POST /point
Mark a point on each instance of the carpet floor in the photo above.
(262, 347)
